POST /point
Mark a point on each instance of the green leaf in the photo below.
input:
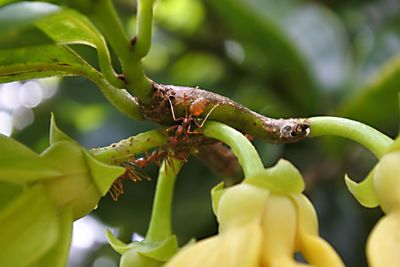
(162, 251)
(267, 38)
(117, 244)
(71, 27)
(364, 191)
(28, 228)
(56, 134)
(19, 164)
(57, 256)
(40, 62)
(376, 103)
(281, 178)
(17, 27)
(8, 191)
(103, 174)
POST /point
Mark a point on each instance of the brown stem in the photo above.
(227, 111)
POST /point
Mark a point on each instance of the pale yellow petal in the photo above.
(383, 246)
(236, 247)
(240, 204)
(318, 252)
(314, 249)
(279, 226)
(387, 181)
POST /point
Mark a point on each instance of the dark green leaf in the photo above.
(377, 102)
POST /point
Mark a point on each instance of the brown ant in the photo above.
(184, 128)
(132, 173)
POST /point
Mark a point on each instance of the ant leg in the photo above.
(172, 128)
(205, 119)
(172, 111)
(185, 106)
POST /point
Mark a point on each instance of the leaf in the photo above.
(56, 134)
(57, 256)
(71, 27)
(281, 178)
(8, 191)
(364, 191)
(40, 62)
(266, 37)
(28, 228)
(16, 24)
(116, 244)
(376, 103)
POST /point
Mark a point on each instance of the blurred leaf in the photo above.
(57, 256)
(262, 34)
(17, 27)
(377, 102)
(28, 228)
(8, 191)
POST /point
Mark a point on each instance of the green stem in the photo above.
(367, 136)
(128, 148)
(107, 20)
(240, 145)
(160, 224)
(144, 26)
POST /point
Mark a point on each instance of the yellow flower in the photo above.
(382, 188)
(261, 224)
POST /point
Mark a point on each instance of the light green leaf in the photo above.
(57, 256)
(56, 134)
(8, 191)
(364, 191)
(281, 178)
(103, 174)
(162, 251)
(19, 164)
(28, 228)
(117, 244)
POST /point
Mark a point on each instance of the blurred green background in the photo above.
(286, 58)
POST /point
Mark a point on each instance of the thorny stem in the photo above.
(367, 136)
(106, 19)
(240, 145)
(128, 148)
(160, 223)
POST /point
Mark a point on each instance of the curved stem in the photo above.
(107, 20)
(160, 223)
(128, 148)
(240, 145)
(365, 135)
(144, 27)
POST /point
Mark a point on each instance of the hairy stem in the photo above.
(160, 224)
(240, 145)
(367, 136)
(128, 148)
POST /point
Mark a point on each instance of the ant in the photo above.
(184, 128)
(132, 173)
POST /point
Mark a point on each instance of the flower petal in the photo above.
(387, 181)
(279, 224)
(383, 245)
(236, 247)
